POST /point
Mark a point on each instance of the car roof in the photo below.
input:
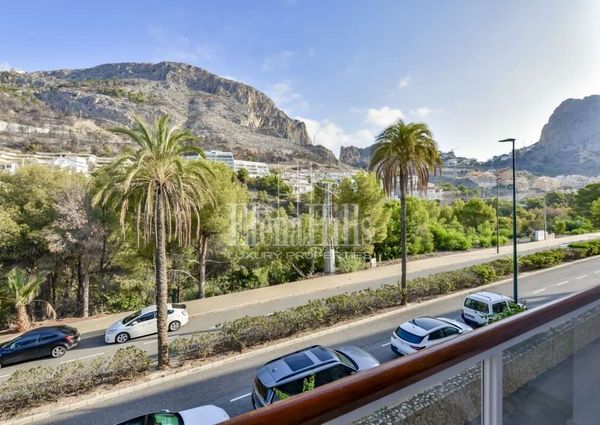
(487, 296)
(423, 325)
(49, 329)
(169, 306)
(297, 364)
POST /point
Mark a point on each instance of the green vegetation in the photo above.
(404, 153)
(164, 191)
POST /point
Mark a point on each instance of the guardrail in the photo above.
(360, 395)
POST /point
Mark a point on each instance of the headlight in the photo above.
(110, 331)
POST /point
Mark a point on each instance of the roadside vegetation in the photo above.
(95, 257)
(39, 385)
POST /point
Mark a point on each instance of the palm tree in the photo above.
(21, 289)
(165, 193)
(403, 153)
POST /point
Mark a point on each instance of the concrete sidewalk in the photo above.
(337, 284)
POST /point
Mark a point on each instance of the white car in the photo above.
(423, 332)
(203, 415)
(480, 306)
(143, 322)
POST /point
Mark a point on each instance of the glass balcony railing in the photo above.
(538, 367)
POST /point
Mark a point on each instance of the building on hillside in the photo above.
(78, 163)
(255, 169)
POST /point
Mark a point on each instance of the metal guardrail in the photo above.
(353, 397)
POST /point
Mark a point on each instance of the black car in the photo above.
(51, 341)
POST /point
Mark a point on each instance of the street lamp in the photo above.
(497, 219)
(514, 222)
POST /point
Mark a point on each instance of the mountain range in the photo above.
(72, 109)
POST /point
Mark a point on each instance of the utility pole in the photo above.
(329, 257)
(514, 222)
(545, 218)
(497, 219)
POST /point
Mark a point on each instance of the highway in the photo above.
(229, 387)
(270, 299)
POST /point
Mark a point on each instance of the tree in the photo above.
(582, 200)
(165, 193)
(475, 212)
(405, 152)
(215, 218)
(243, 175)
(21, 290)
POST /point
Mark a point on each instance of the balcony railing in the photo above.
(538, 367)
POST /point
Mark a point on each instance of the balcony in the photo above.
(539, 367)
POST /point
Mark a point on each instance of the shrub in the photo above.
(485, 272)
(541, 260)
(348, 263)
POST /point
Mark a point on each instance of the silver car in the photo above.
(288, 375)
(423, 332)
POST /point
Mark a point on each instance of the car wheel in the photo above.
(175, 325)
(58, 351)
(122, 338)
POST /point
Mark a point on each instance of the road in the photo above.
(275, 298)
(229, 386)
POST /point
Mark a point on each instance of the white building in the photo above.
(255, 169)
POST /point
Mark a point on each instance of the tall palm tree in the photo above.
(403, 153)
(21, 289)
(165, 193)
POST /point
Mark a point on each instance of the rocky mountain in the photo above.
(569, 142)
(72, 110)
(355, 157)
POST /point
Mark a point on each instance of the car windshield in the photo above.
(131, 317)
(408, 336)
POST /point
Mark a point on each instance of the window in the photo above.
(331, 374)
(26, 341)
(132, 316)
(347, 361)
(499, 307)
(450, 331)
(165, 419)
(147, 316)
(436, 335)
(476, 305)
(46, 337)
(291, 388)
(408, 337)
(135, 421)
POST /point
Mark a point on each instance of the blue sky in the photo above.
(475, 71)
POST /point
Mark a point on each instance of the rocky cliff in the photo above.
(71, 110)
(355, 157)
(569, 143)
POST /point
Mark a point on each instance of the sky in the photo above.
(475, 71)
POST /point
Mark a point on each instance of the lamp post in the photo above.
(514, 222)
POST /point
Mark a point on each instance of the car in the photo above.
(203, 415)
(480, 306)
(53, 341)
(143, 322)
(423, 332)
(287, 375)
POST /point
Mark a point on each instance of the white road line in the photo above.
(597, 272)
(562, 283)
(82, 358)
(386, 344)
(581, 277)
(240, 397)
(4, 376)
(538, 291)
(150, 342)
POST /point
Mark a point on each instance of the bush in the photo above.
(542, 260)
(348, 263)
(485, 272)
(39, 385)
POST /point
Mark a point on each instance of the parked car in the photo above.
(203, 415)
(286, 375)
(423, 332)
(143, 322)
(52, 341)
(479, 307)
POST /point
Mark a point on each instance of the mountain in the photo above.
(72, 110)
(356, 157)
(569, 142)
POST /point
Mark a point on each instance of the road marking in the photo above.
(562, 283)
(386, 344)
(538, 291)
(240, 397)
(597, 272)
(82, 358)
(4, 376)
(581, 277)
(150, 342)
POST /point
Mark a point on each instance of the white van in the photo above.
(480, 306)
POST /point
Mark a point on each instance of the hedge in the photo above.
(39, 385)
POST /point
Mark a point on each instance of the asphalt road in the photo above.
(229, 387)
(93, 345)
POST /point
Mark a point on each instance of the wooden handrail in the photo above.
(343, 396)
